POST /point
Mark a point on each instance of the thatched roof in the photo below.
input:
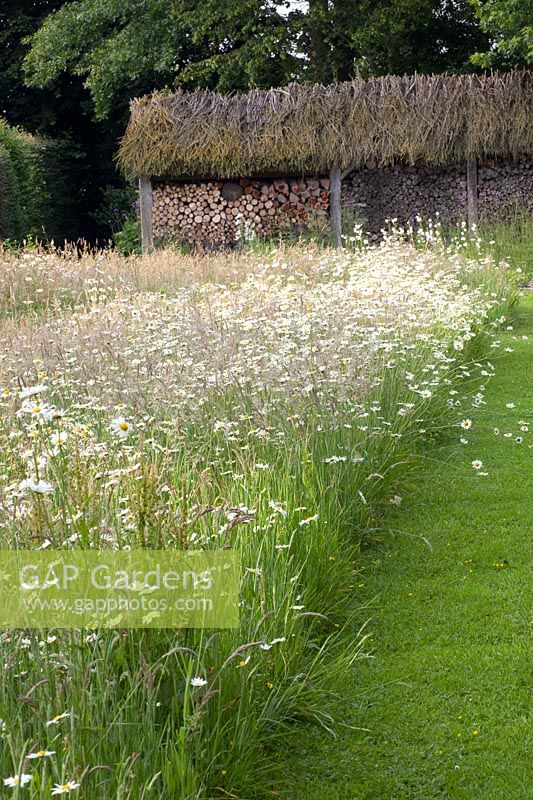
(306, 128)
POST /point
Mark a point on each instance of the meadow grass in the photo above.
(510, 243)
(444, 694)
(270, 404)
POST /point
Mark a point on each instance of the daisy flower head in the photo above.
(59, 438)
(31, 391)
(41, 754)
(17, 780)
(57, 718)
(477, 464)
(198, 682)
(36, 409)
(466, 424)
(65, 788)
(121, 427)
(38, 487)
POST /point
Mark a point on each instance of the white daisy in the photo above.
(198, 682)
(17, 780)
(31, 391)
(41, 754)
(39, 487)
(64, 788)
(477, 464)
(58, 718)
(121, 427)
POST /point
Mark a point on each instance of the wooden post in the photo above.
(335, 206)
(471, 192)
(145, 206)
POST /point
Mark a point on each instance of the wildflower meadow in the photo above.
(272, 403)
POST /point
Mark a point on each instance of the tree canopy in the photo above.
(122, 48)
(510, 26)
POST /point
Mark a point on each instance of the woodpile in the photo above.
(220, 213)
(405, 192)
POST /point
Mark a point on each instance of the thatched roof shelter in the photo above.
(438, 119)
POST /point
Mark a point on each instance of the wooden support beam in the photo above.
(471, 192)
(335, 206)
(145, 206)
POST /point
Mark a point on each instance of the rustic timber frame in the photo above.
(471, 193)
(145, 212)
(336, 175)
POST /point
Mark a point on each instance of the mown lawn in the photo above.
(445, 695)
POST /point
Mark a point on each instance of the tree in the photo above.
(122, 48)
(509, 23)
(376, 37)
(20, 103)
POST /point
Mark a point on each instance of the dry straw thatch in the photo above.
(437, 119)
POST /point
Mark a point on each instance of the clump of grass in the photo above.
(505, 243)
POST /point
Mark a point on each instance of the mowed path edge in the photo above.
(446, 696)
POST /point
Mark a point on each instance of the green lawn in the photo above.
(446, 694)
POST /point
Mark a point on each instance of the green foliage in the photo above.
(128, 239)
(18, 155)
(121, 48)
(113, 44)
(510, 26)
(56, 214)
(10, 211)
(395, 36)
(35, 191)
(79, 151)
(22, 105)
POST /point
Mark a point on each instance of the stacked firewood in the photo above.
(224, 212)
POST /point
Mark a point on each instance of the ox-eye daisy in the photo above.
(64, 788)
(17, 780)
(466, 424)
(31, 391)
(57, 718)
(121, 427)
(477, 464)
(39, 487)
(41, 754)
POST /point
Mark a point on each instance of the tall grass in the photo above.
(274, 406)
